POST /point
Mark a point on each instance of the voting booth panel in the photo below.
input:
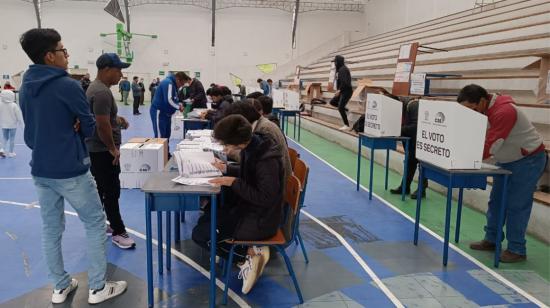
(290, 100)
(383, 116)
(450, 135)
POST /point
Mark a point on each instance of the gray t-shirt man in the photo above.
(102, 102)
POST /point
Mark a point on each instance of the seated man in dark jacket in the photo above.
(257, 186)
(194, 92)
(220, 101)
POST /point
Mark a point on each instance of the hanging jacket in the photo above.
(51, 102)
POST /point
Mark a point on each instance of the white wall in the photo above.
(245, 37)
(386, 15)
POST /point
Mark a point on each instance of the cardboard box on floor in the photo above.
(450, 135)
(383, 116)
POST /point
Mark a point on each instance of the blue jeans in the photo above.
(81, 193)
(9, 139)
(162, 123)
(521, 186)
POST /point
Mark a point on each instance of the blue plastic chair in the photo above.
(292, 200)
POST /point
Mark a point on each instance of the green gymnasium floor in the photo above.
(532, 275)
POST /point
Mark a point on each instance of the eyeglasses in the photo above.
(64, 50)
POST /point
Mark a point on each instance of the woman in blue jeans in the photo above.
(515, 144)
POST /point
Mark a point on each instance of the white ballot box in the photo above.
(450, 135)
(383, 116)
(142, 157)
(177, 126)
(290, 100)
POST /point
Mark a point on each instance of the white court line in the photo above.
(236, 298)
(360, 260)
(460, 251)
(15, 178)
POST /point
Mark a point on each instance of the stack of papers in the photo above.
(192, 134)
(195, 167)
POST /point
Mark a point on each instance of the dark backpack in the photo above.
(359, 126)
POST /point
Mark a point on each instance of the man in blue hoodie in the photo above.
(58, 119)
(165, 103)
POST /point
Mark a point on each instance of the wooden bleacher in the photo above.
(501, 48)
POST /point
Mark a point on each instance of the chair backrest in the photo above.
(301, 171)
(292, 207)
(293, 156)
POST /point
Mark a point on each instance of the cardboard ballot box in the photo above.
(450, 135)
(383, 116)
(139, 158)
(177, 126)
(288, 99)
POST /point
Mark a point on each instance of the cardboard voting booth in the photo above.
(382, 116)
(450, 135)
(290, 100)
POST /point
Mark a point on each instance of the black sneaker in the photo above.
(413, 195)
(397, 191)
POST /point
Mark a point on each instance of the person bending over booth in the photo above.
(165, 103)
(516, 146)
(255, 212)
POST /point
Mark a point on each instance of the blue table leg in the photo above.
(299, 125)
(282, 119)
(149, 244)
(295, 126)
(500, 222)
(185, 206)
(418, 202)
(177, 230)
(405, 169)
(168, 240)
(159, 245)
(387, 167)
(285, 119)
(371, 171)
(213, 242)
(458, 214)
(358, 162)
(447, 220)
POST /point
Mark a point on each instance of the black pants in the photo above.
(137, 100)
(226, 225)
(108, 187)
(412, 165)
(344, 99)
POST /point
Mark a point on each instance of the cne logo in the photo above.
(373, 104)
(440, 118)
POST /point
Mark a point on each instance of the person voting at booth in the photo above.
(513, 142)
(194, 92)
(408, 129)
(256, 211)
(165, 103)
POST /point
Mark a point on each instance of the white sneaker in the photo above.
(123, 241)
(12, 154)
(264, 253)
(59, 296)
(344, 128)
(250, 271)
(110, 290)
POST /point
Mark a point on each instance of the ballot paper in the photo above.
(195, 167)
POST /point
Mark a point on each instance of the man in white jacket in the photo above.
(10, 118)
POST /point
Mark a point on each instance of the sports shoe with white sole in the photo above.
(110, 290)
(59, 296)
(250, 271)
(344, 128)
(109, 231)
(123, 241)
(264, 253)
